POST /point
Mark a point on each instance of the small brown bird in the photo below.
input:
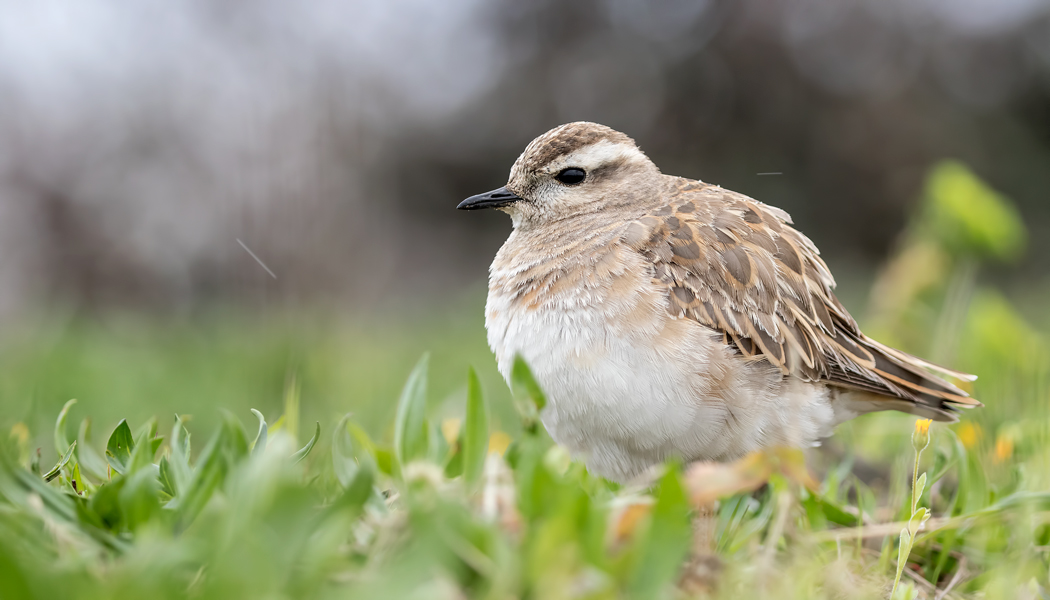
(667, 317)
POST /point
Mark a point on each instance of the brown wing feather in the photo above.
(737, 266)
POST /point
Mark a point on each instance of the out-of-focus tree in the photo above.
(333, 139)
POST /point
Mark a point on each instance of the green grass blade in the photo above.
(61, 441)
(305, 450)
(167, 480)
(54, 472)
(525, 386)
(475, 430)
(666, 542)
(180, 471)
(260, 437)
(410, 436)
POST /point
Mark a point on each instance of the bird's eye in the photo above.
(571, 176)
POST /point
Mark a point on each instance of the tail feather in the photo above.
(917, 386)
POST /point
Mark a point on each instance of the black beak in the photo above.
(493, 199)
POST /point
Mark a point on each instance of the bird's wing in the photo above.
(736, 265)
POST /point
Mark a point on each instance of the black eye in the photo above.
(571, 176)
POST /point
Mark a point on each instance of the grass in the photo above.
(359, 475)
(447, 510)
(123, 365)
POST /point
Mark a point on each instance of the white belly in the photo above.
(625, 392)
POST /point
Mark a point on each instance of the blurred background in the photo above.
(148, 149)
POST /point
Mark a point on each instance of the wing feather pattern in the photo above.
(736, 265)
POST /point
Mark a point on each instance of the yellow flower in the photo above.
(1004, 448)
(969, 434)
(920, 438)
(450, 430)
(498, 442)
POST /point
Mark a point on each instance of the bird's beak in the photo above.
(494, 199)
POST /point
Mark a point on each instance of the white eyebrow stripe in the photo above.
(597, 154)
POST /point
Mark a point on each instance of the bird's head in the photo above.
(574, 169)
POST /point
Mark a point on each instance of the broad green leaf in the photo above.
(180, 438)
(916, 493)
(61, 441)
(903, 550)
(57, 469)
(410, 435)
(305, 450)
(179, 469)
(139, 498)
(475, 430)
(387, 463)
(814, 511)
(828, 511)
(118, 450)
(105, 504)
(260, 437)
(666, 542)
(168, 484)
(917, 519)
(967, 216)
(526, 389)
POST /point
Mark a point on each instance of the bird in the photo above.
(668, 318)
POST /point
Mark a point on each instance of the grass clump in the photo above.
(446, 512)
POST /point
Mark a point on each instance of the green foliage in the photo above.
(969, 217)
(475, 431)
(528, 397)
(120, 447)
(664, 546)
(1008, 344)
(247, 519)
(305, 450)
(411, 431)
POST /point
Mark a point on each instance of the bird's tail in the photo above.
(920, 387)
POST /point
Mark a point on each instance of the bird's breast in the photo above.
(570, 308)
